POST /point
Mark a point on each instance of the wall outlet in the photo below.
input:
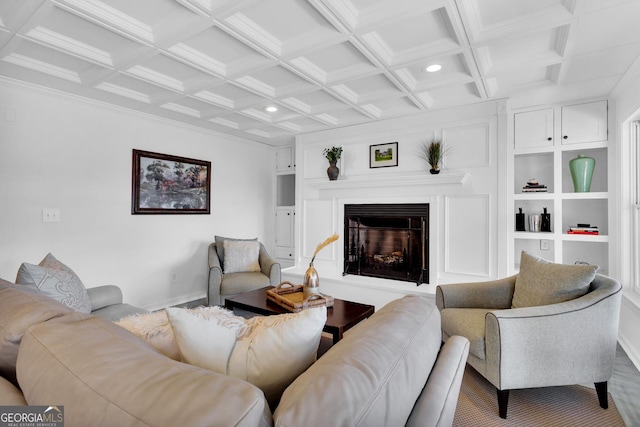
(544, 245)
(174, 277)
(50, 215)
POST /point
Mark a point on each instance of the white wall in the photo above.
(64, 152)
(465, 213)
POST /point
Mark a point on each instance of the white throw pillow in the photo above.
(203, 342)
(268, 352)
(277, 350)
(241, 256)
(54, 279)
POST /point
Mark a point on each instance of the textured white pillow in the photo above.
(154, 328)
(241, 256)
(203, 342)
(277, 350)
(54, 279)
(268, 352)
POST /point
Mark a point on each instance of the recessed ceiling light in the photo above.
(433, 68)
(271, 109)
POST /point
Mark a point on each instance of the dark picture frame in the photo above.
(166, 184)
(383, 155)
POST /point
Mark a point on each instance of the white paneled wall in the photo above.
(463, 198)
(468, 236)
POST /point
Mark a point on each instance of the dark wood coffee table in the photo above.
(340, 318)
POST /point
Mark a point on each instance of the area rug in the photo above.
(548, 406)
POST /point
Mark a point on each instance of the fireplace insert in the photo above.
(388, 241)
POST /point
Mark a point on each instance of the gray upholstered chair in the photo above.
(223, 284)
(570, 342)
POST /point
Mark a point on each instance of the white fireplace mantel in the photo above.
(389, 180)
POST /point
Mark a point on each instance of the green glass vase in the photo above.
(581, 173)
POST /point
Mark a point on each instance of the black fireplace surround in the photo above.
(389, 241)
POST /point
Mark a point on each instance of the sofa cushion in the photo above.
(235, 283)
(240, 257)
(10, 395)
(267, 351)
(541, 282)
(103, 375)
(469, 323)
(56, 280)
(372, 376)
(21, 307)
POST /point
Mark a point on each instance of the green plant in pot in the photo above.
(333, 154)
(433, 154)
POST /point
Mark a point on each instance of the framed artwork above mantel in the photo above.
(166, 184)
(383, 155)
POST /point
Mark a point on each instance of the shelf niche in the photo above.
(538, 166)
(599, 180)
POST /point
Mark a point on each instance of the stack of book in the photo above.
(533, 186)
(584, 229)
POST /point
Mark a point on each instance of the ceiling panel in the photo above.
(219, 64)
(334, 63)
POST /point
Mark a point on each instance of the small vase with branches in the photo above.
(333, 154)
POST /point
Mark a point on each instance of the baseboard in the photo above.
(630, 351)
(628, 336)
(175, 301)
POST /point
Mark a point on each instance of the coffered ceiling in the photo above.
(218, 64)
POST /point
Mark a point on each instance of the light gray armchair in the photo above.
(571, 342)
(222, 285)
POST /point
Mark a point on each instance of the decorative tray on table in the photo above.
(290, 297)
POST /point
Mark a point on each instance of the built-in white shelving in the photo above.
(285, 205)
(545, 140)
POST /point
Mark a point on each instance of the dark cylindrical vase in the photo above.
(520, 221)
(545, 221)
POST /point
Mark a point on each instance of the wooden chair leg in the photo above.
(601, 389)
(503, 401)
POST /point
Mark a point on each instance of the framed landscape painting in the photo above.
(164, 184)
(383, 155)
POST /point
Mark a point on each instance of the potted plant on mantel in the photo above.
(333, 154)
(433, 154)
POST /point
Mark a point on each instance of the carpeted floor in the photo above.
(550, 406)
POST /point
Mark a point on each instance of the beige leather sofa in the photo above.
(387, 371)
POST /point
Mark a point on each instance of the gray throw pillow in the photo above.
(220, 246)
(541, 282)
(241, 257)
(56, 280)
